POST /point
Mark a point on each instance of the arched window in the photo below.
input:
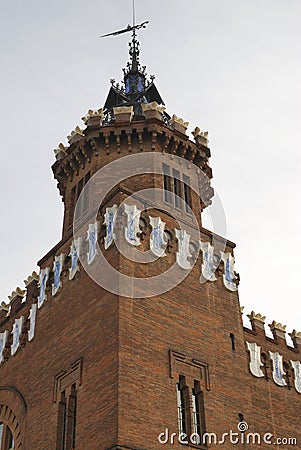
(6, 438)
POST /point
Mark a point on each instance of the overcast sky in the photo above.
(231, 67)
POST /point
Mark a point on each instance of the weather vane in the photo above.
(129, 28)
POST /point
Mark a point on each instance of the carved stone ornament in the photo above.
(74, 255)
(110, 220)
(92, 114)
(3, 339)
(132, 228)
(57, 271)
(278, 372)
(43, 278)
(158, 241)
(255, 359)
(208, 271)
(75, 135)
(297, 371)
(17, 330)
(183, 253)
(229, 276)
(92, 235)
(32, 321)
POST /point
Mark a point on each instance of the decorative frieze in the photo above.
(258, 365)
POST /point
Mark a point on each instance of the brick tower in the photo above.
(131, 336)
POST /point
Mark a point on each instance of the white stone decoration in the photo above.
(158, 241)
(43, 278)
(92, 235)
(255, 359)
(17, 330)
(3, 339)
(297, 370)
(208, 271)
(278, 371)
(32, 321)
(229, 276)
(183, 252)
(132, 228)
(110, 219)
(57, 271)
(74, 255)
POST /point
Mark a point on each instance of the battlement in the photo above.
(278, 332)
(121, 132)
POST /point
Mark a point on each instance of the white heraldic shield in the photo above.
(183, 253)
(255, 359)
(43, 278)
(207, 266)
(110, 219)
(17, 330)
(278, 371)
(297, 370)
(158, 241)
(132, 227)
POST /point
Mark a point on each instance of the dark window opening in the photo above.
(166, 184)
(177, 188)
(187, 193)
(232, 337)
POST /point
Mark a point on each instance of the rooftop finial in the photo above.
(136, 89)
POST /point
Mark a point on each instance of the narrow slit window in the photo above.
(167, 184)
(187, 193)
(181, 409)
(177, 188)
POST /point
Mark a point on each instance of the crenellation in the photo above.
(16, 300)
(75, 135)
(201, 137)
(296, 339)
(93, 117)
(257, 322)
(278, 331)
(178, 124)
